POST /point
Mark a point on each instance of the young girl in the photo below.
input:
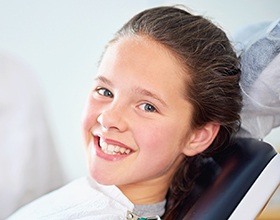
(166, 95)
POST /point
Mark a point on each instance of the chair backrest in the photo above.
(227, 179)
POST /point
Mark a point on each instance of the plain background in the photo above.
(61, 40)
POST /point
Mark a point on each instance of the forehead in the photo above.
(143, 58)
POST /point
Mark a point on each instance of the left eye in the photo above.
(148, 107)
(104, 92)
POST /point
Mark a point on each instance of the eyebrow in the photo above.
(137, 90)
(146, 92)
(104, 80)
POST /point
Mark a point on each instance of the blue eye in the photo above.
(148, 107)
(104, 92)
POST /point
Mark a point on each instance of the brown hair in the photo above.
(212, 87)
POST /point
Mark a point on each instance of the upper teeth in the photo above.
(112, 149)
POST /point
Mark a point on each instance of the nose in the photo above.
(114, 118)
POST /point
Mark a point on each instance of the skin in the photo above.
(137, 102)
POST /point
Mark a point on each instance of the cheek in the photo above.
(89, 117)
(159, 140)
(160, 148)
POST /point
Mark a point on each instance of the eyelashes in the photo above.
(104, 92)
(147, 107)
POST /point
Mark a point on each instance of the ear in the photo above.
(201, 139)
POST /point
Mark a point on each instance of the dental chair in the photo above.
(235, 184)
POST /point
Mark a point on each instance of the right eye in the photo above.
(104, 92)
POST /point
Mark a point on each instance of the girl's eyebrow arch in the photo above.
(146, 92)
(137, 90)
(104, 80)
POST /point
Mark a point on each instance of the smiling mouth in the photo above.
(112, 149)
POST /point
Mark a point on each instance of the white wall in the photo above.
(63, 39)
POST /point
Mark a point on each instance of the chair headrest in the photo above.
(226, 178)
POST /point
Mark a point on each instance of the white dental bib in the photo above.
(80, 199)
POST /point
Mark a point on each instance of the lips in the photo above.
(112, 149)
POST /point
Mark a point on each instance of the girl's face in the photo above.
(137, 120)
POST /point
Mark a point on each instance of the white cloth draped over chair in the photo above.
(259, 49)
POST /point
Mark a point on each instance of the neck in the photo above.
(153, 190)
(148, 192)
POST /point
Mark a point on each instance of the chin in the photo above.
(101, 177)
